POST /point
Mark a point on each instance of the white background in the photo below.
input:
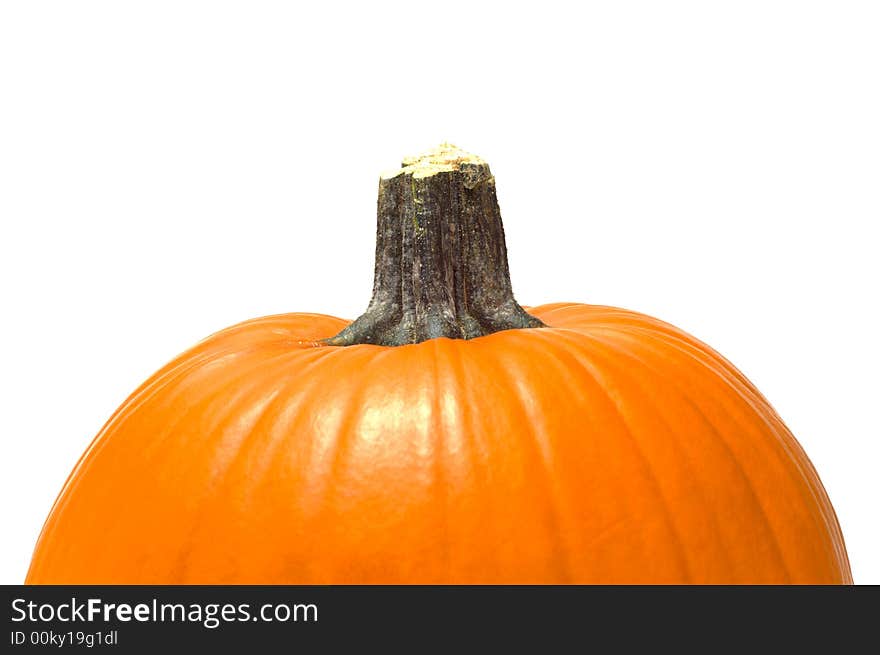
(170, 168)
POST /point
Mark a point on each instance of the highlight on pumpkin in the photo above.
(445, 436)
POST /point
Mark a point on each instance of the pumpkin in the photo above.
(449, 435)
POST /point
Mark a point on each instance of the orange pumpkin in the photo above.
(595, 445)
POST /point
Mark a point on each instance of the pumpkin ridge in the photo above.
(710, 360)
(282, 397)
(441, 489)
(177, 367)
(567, 370)
(296, 387)
(690, 344)
(245, 371)
(460, 376)
(685, 455)
(209, 441)
(777, 549)
(591, 371)
(178, 376)
(220, 481)
(344, 438)
(282, 320)
(319, 464)
(536, 436)
(795, 454)
(795, 458)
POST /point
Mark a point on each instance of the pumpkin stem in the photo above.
(441, 260)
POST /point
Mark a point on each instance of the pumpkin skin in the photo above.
(608, 447)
